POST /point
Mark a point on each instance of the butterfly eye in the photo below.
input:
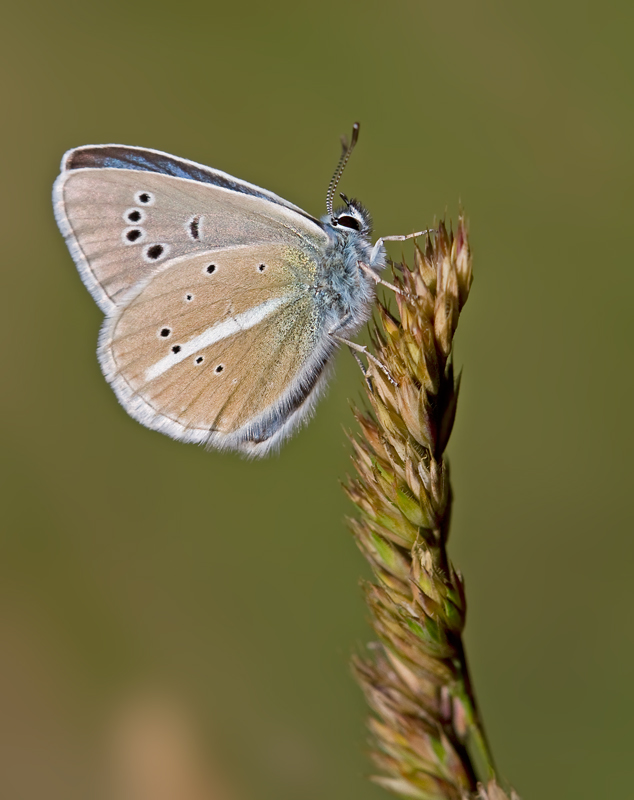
(349, 222)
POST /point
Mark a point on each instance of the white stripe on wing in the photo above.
(222, 330)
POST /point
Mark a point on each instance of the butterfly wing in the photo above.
(224, 347)
(125, 211)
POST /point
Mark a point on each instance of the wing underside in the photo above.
(120, 224)
(233, 356)
(118, 156)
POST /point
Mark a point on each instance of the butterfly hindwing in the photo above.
(223, 346)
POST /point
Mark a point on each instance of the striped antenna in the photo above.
(345, 155)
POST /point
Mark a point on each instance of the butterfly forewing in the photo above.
(121, 224)
(214, 343)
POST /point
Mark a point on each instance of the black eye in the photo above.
(349, 222)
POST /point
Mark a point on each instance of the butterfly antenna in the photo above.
(345, 155)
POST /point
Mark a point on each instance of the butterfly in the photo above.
(224, 303)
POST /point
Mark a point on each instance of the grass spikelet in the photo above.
(427, 735)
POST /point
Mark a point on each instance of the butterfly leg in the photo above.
(377, 280)
(361, 348)
(402, 238)
(364, 371)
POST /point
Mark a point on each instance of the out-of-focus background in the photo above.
(177, 624)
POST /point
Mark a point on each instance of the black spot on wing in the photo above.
(154, 252)
(122, 157)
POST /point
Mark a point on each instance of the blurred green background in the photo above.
(144, 581)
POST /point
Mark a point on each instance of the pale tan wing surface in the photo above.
(121, 224)
(221, 347)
